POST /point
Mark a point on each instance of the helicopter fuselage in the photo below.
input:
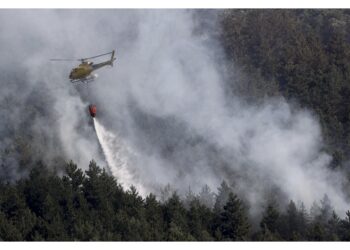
(84, 70)
(81, 72)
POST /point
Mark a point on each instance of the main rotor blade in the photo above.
(96, 56)
(64, 59)
(82, 59)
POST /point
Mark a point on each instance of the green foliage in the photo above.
(344, 228)
(92, 206)
(200, 218)
(270, 221)
(154, 219)
(222, 197)
(303, 55)
(233, 220)
(175, 219)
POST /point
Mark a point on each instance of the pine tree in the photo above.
(199, 220)
(326, 209)
(154, 219)
(206, 197)
(332, 228)
(35, 188)
(222, 197)
(74, 176)
(344, 228)
(53, 220)
(233, 220)
(303, 222)
(8, 231)
(293, 223)
(175, 219)
(270, 222)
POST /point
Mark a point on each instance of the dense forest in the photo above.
(300, 55)
(94, 206)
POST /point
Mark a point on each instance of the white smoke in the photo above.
(165, 98)
(171, 73)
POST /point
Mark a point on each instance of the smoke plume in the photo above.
(165, 99)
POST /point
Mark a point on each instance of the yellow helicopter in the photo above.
(83, 73)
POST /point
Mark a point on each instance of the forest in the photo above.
(300, 55)
(92, 205)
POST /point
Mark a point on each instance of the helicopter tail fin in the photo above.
(112, 58)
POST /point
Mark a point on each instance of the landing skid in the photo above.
(85, 80)
(77, 82)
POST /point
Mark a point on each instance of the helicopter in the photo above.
(83, 73)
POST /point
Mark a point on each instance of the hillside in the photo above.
(234, 125)
(302, 55)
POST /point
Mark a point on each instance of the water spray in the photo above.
(117, 156)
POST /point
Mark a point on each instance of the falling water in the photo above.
(117, 155)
